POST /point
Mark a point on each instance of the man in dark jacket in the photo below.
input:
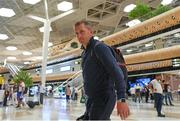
(102, 76)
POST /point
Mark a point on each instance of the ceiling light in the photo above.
(65, 6)
(166, 2)
(177, 35)
(149, 44)
(11, 58)
(133, 22)
(42, 29)
(129, 50)
(11, 48)
(27, 62)
(27, 53)
(32, 2)
(50, 44)
(3, 36)
(6, 12)
(38, 58)
(96, 37)
(129, 8)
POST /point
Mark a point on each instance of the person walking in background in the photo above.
(133, 93)
(138, 93)
(100, 73)
(68, 93)
(20, 93)
(166, 93)
(6, 94)
(147, 93)
(158, 94)
(76, 94)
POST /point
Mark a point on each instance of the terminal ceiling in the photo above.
(107, 17)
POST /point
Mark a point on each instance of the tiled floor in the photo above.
(58, 109)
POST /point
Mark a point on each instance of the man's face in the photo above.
(83, 33)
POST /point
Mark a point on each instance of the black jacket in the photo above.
(100, 71)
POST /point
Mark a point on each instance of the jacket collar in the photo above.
(89, 44)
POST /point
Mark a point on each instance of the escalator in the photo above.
(75, 81)
(13, 69)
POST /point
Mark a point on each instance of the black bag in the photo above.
(31, 104)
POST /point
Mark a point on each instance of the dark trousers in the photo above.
(146, 96)
(101, 107)
(5, 100)
(167, 98)
(158, 102)
(41, 98)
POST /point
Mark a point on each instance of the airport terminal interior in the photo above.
(38, 46)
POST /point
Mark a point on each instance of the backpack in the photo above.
(119, 58)
(120, 61)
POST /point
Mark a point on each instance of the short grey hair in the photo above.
(86, 23)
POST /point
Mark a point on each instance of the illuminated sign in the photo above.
(65, 68)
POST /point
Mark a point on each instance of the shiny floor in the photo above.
(59, 110)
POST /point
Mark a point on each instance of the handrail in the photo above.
(13, 69)
(73, 76)
(73, 79)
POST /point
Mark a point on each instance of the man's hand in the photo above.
(123, 110)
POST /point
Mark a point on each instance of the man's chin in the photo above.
(81, 41)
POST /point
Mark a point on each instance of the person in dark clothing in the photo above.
(6, 94)
(166, 94)
(146, 93)
(102, 76)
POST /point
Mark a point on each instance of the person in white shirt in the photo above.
(158, 94)
(133, 93)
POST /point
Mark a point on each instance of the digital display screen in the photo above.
(141, 81)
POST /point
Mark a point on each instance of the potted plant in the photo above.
(140, 10)
(74, 45)
(25, 77)
(143, 11)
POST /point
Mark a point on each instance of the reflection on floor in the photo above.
(58, 109)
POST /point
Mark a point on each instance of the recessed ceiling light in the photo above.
(149, 44)
(96, 37)
(11, 58)
(177, 35)
(129, 50)
(3, 37)
(27, 62)
(38, 58)
(42, 29)
(166, 2)
(11, 48)
(50, 44)
(129, 8)
(6, 12)
(65, 6)
(27, 53)
(133, 22)
(32, 2)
